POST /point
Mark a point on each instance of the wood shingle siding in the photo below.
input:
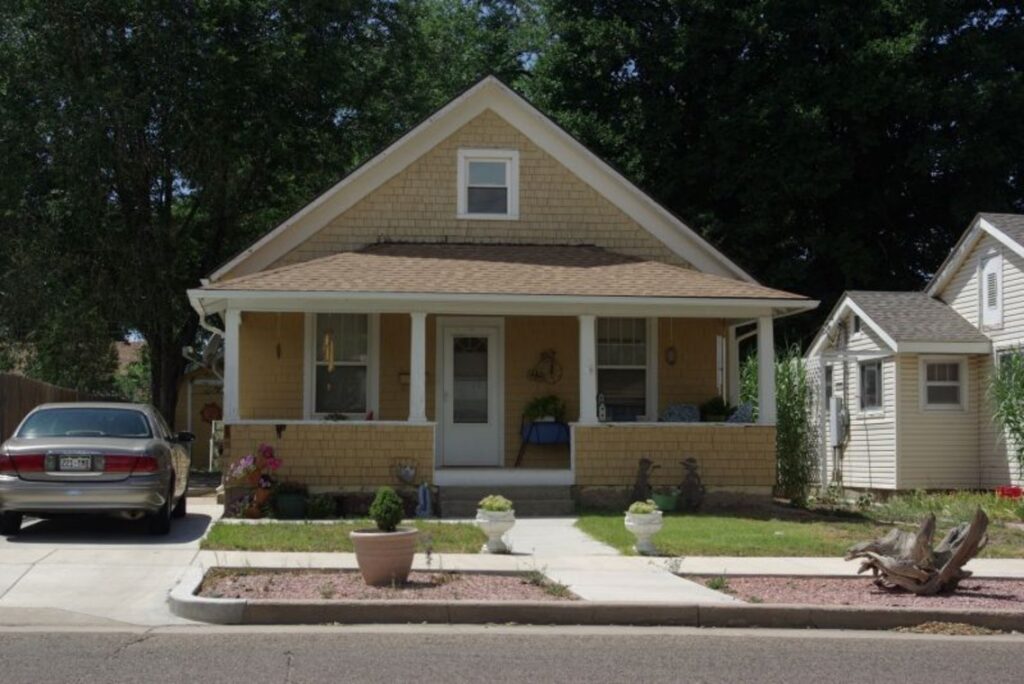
(419, 204)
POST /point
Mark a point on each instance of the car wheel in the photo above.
(160, 522)
(180, 508)
(10, 523)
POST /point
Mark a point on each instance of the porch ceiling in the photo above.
(496, 272)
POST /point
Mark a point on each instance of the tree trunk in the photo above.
(168, 367)
(907, 560)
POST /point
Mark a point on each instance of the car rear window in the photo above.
(86, 422)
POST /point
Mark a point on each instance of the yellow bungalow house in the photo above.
(407, 316)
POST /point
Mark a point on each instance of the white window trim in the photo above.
(856, 326)
(372, 369)
(511, 159)
(871, 410)
(982, 261)
(650, 368)
(922, 369)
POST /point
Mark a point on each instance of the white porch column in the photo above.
(765, 370)
(732, 373)
(418, 368)
(232, 323)
(588, 369)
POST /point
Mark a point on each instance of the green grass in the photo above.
(948, 508)
(333, 537)
(737, 535)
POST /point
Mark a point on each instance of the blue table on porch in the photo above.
(541, 432)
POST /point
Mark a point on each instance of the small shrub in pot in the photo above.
(495, 516)
(643, 520)
(385, 554)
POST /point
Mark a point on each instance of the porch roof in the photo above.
(496, 269)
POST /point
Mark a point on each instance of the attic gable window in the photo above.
(488, 182)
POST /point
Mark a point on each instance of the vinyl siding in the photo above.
(938, 448)
(869, 459)
(996, 462)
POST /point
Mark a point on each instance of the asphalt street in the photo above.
(500, 654)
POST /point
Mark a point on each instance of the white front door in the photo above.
(471, 379)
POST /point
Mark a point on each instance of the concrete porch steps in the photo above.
(529, 501)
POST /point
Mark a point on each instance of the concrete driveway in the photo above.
(97, 571)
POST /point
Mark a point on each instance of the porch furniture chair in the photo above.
(680, 413)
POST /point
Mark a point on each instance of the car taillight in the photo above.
(145, 464)
(7, 465)
(27, 463)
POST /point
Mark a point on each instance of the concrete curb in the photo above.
(184, 603)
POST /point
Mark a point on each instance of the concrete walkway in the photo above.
(544, 537)
(97, 570)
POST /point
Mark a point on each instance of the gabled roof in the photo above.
(496, 269)
(489, 93)
(1008, 229)
(907, 322)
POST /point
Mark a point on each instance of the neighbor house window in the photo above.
(871, 385)
(341, 355)
(622, 367)
(488, 184)
(942, 383)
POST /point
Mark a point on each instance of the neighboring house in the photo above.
(913, 368)
(409, 314)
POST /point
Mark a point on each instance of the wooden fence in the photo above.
(19, 395)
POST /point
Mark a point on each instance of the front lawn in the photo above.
(741, 535)
(333, 537)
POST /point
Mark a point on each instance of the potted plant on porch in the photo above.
(643, 520)
(495, 516)
(385, 554)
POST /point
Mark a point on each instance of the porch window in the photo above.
(622, 367)
(488, 184)
(871, 386)
(942, 384)
(341, 364)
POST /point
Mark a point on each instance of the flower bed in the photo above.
(987, 594)
(349, 585)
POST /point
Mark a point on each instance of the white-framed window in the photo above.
(341, 365)
(943, 383)
(488, 183)
(871, 385)
(624, 350)
(991, 286)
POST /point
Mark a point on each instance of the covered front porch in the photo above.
(360, 388)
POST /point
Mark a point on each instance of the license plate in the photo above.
(73, 463)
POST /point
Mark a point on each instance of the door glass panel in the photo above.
(469, 380)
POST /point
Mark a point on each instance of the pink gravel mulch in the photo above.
(348, 585)
(987, 594)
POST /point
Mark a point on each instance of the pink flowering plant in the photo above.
(259, 466)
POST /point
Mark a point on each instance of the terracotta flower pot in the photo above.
(261, 496)
(384, 557)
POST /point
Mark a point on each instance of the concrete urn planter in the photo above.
(495, 524)
(384, 558)
(643, 526)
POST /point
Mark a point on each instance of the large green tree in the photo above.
(148, 140)
(825, 145)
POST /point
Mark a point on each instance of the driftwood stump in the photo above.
(907, 560)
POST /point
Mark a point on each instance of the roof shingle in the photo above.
(575, 270)
(915, 317)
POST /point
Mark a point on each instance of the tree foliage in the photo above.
(795, 435)
(823, 145)
(1006, 392)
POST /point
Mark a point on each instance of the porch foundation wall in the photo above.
(339, 455)
(731, 457)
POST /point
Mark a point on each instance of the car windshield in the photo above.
(86, 422)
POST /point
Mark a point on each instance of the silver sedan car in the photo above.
(94, 457)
